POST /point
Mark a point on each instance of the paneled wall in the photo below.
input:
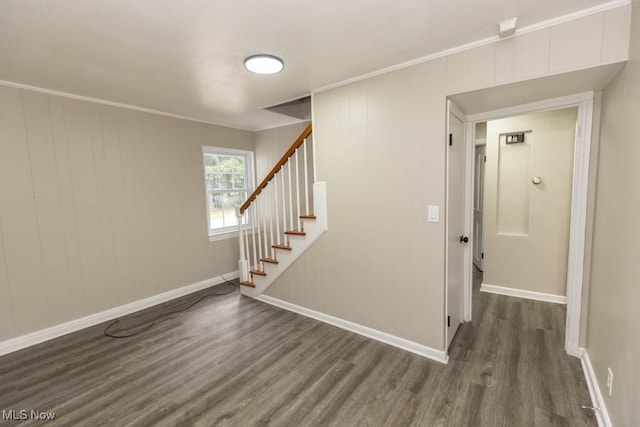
(380, 149)
(99, 206)
(271, 144)
(613, 335)
(526, 226)
(593, 40)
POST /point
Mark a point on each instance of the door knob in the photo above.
(464, 239)
(536, 180)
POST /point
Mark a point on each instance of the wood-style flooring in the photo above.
(234, 361)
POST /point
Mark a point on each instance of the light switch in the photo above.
(434, 213)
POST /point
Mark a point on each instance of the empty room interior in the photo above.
(333, 213)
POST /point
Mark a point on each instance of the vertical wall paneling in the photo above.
(19, 218)
(597, 39)
(454, 73)
(128, 256)
(7, 328)
(479, 66)
(613, 341)
(99, 207)
(505, 57)
(88, 215)
(67, 208)
(104, 222)
(532, 54)
(576, 44)
(616, 34)
(119, 284)
(380, 149)
(44, 172)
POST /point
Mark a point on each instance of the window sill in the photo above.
(232, 234)
(223, 236)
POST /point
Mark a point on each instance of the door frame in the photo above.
(579, 203)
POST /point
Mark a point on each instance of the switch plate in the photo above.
(434, 213)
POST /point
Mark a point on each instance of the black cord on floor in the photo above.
(160, 316)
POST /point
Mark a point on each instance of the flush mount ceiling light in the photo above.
(264, 64)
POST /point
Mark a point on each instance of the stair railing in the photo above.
(278, 204)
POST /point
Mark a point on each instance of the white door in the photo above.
(527, 209)
(455, 221)
(478, 200)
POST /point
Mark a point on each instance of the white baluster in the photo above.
(242, 264)
(258, 219)
(247, 249)
(253, 236)
(276, 209)
(306, 180)
(290, 195)
(284, 205)
(270, 213)
(265, 240)
(298, 192)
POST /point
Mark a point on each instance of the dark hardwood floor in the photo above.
(234, 361)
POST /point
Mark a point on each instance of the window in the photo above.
(229, 181)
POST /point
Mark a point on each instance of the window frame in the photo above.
(249, 179)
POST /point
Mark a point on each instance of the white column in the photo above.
(290, 196)
(306, 180)
(242, 263)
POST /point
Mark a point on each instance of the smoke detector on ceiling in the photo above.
(508, 27)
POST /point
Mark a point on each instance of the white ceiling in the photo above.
(186, 57)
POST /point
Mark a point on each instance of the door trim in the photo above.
(579, 203)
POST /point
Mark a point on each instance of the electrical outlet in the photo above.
(610, 381)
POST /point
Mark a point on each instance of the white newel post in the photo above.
(243, 266)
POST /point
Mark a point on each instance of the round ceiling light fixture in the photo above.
(263, 64)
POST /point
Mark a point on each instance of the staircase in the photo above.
(281, 219)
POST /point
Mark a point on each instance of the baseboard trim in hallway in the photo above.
(521, 293)
(402, 343)
(602, 415)
(37, 337)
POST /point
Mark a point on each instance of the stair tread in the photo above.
(284, 247)
(307, 217)
(295, 233)
(269, 260)
(258, 272)
(249, 284)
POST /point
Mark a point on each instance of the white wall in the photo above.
(526, 226)
(597, 39)
(613, 336)
(380, 264)
(271, 144)
(99, 206)
(380, 149)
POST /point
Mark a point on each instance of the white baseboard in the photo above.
(411, 346)
(520, 293)
(33, 338)
(597, 400)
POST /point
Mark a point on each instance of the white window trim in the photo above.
(231, 231)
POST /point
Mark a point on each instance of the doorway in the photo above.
(522, 209)
(479, 159)
(578, 206)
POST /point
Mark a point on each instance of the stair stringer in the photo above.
(299, 244)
